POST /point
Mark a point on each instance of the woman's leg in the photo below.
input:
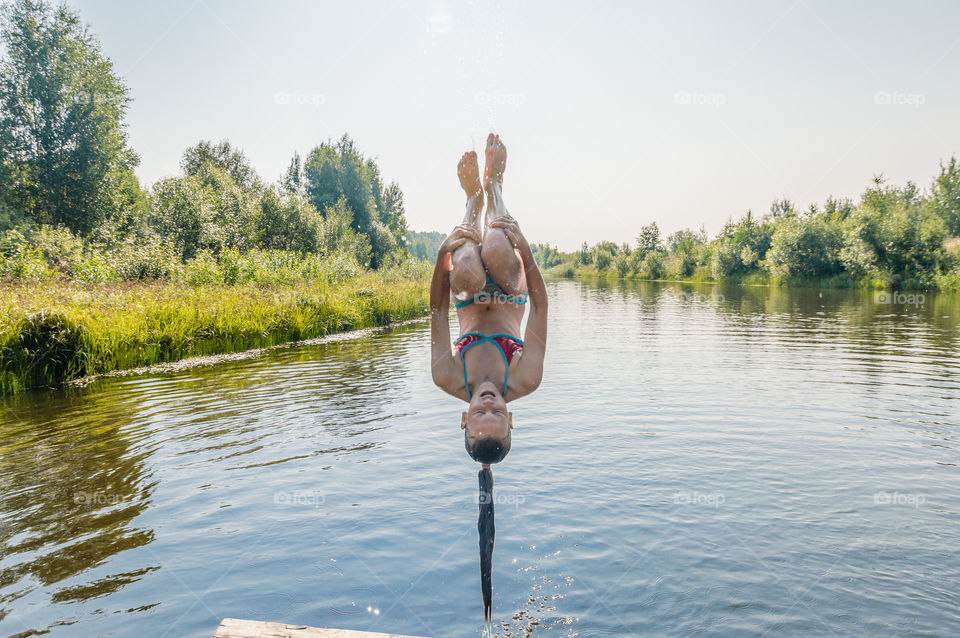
(467, 276)
(498, 253)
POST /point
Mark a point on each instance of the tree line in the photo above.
(67, 170)
(892, 237)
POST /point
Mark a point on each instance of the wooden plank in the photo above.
(235, 628)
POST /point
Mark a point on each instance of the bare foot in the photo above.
(469, 173)
(496, 161)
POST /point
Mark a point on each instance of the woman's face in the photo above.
(487, 414)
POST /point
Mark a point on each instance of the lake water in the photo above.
(700, 460)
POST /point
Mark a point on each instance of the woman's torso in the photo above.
(484, 360)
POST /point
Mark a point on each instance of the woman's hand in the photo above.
(458, 237)
(512, 230)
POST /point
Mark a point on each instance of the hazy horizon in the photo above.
(614, 114)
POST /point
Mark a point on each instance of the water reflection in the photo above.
(717, 453)
(79, 468)
(73, 484)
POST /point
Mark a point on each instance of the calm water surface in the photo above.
(699, 461)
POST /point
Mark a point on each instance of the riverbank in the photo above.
(570, 270)
(55, 332)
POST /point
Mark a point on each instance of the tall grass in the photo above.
(56, 330)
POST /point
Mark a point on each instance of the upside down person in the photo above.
(491, 272)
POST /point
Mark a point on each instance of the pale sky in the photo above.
(614, 114)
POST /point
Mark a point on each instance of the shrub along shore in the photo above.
(56, 331)
(899, 238)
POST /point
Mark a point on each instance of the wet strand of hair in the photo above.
(485, 527)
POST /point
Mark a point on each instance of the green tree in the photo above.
(652, 264)
(545, 255)
(649, 238)
(607, 247)
(622, 264)
(225, 157)
(741, 245)
(584, 255)
(339, 236)
(805, 248)
(181, 209)
(945, 195)
(424, 245)
(288, 222)
(292, 180)
(684, 239)
(838, 209)
(682, 249)
(205, 211)
(321, 173)
(781, 209)
(335, 172)
(602, 258)
(382, 243)
(63, 141)
(895, 234)
(393, 214)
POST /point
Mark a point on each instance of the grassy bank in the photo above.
(54, 332)
(570, 269)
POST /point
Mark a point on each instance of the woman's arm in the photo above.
(442, 363)
(530, 369)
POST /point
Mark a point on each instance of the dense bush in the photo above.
(584, 257)
(805, 248)
(545, 255)
(602, 258)
(652, 265)
(945, 196)
(622, 265)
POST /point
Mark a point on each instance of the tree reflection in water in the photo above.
(73, 483)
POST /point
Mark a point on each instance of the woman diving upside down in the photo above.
(492, 274)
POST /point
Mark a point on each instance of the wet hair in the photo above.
(486, 450)
(487, 532)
